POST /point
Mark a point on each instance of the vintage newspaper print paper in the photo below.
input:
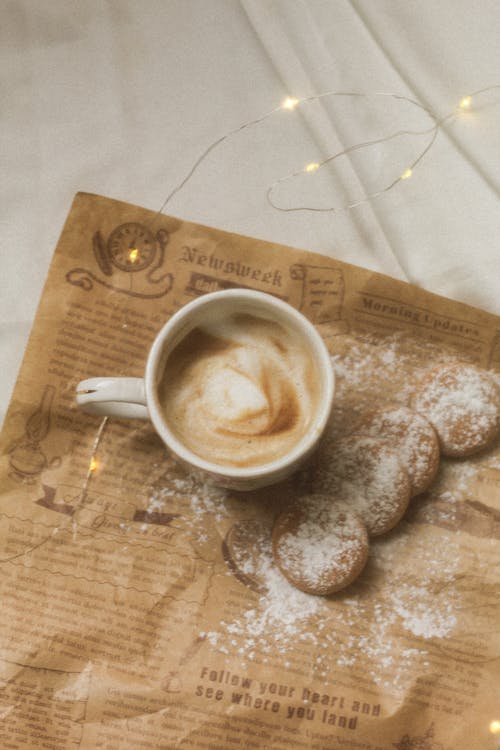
(141, 609)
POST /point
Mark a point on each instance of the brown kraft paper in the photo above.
(133, 615)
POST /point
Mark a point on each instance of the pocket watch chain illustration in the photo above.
(130, 262)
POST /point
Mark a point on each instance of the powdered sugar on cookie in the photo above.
(463, 404)
(367, 475)
(320, 546)
(412, 436)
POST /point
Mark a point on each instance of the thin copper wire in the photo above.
(432, 132)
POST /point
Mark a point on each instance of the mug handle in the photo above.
(124, 398)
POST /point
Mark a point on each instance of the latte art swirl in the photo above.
(241, 393)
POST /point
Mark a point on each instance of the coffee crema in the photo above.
(240, 392)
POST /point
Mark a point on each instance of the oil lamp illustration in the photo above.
(27, 459)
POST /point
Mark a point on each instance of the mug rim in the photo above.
(301, 449)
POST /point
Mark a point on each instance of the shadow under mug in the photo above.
(124, 397)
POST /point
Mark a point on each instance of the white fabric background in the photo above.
(119, 97)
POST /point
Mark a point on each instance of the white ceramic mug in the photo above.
(139, 397)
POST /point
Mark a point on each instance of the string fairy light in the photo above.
(94, 462)
(465, 102)
(292, 103)
(494, 728)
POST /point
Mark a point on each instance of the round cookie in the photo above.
(319, 546)
(414, 439)
(368, 475)
(462, 403)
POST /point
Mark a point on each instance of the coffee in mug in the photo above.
(241, 390)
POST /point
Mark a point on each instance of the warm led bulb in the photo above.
(133, 254)
(407, 173)
(312, 166)
(290, 102)
(495, 726)
(465, 102)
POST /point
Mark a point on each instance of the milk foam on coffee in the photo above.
(241, 391)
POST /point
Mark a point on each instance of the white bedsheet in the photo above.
(120, 97)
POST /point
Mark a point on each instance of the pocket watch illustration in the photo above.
(130, 262)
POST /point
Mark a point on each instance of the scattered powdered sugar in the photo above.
(427, 604)
(200, 496)
(454, 479)
(363, 628)
(282, 611)
(373, 370)
(413, 608)
(409, 593)
(494, 462)
(365, 625)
